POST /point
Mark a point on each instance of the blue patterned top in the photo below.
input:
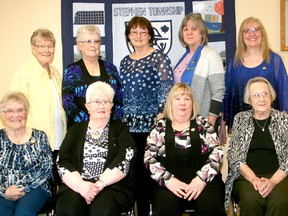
(146, 84)
(76, 79)
(236, 79)
(27, 165)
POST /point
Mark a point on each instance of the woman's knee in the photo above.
(165, 203)
(70, 203)
(32, 202)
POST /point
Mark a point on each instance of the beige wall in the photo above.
(18, 19)
(268, 11)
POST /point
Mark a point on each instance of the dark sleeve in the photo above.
(114, 81)
(72, 88)
(123, 148)
(71, 150)
(165, 73)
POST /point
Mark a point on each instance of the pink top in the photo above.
(179, 70)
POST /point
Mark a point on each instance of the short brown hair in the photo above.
(138, 21)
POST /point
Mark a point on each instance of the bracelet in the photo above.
(104, 183)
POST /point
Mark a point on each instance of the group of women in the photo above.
(147, 132)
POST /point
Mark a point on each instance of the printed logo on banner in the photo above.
(163, 35)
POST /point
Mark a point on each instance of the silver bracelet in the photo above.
(104, 183)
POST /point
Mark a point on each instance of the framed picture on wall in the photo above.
(284, 24)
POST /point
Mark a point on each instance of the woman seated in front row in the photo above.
(96, 161)
(258, 154)
(25, 160)
(183, 156)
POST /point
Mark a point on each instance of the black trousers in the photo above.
(143, 180)
(70, 203)
(252, 204)
(209, 203)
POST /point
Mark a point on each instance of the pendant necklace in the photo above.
(262, 128)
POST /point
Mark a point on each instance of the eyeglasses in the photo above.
(135, 33)
(259, 95)
(98, 102)
(12, 112)
(255, 30)
(90, 42)
(43, 47)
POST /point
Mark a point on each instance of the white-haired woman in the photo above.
(257, 154)
(89, 69)
(96, 161)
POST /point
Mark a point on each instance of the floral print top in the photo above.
(27, 165)
(146, 83)
(156, 147)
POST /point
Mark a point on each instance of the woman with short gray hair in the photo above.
(90, 68)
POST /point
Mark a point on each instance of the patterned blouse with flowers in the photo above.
(158, 154)
(27, 165)
(145, 84)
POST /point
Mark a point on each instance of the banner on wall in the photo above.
(165, 19)
(111, 17)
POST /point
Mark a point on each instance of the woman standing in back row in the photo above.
(253, 58)
(41, 84)
(89, 69)
(200, 67)
(146, 77)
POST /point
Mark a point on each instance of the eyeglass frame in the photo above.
(43, 47)
(13, 112)
(258, 95)
(255, 30)
(98, 102)
(90, 42)
(136, 33)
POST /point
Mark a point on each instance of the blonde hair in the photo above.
(247, 93)
(241, 47)
(42, 34)
(179, 89)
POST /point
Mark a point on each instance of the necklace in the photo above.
(262, 128)
(17, 139)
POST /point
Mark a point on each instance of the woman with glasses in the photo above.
(96, 161)
(90, 68)
(25, 162)
(200, 67)
(146, 77)
(257, 154)
(253, 58)
(41, 83)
